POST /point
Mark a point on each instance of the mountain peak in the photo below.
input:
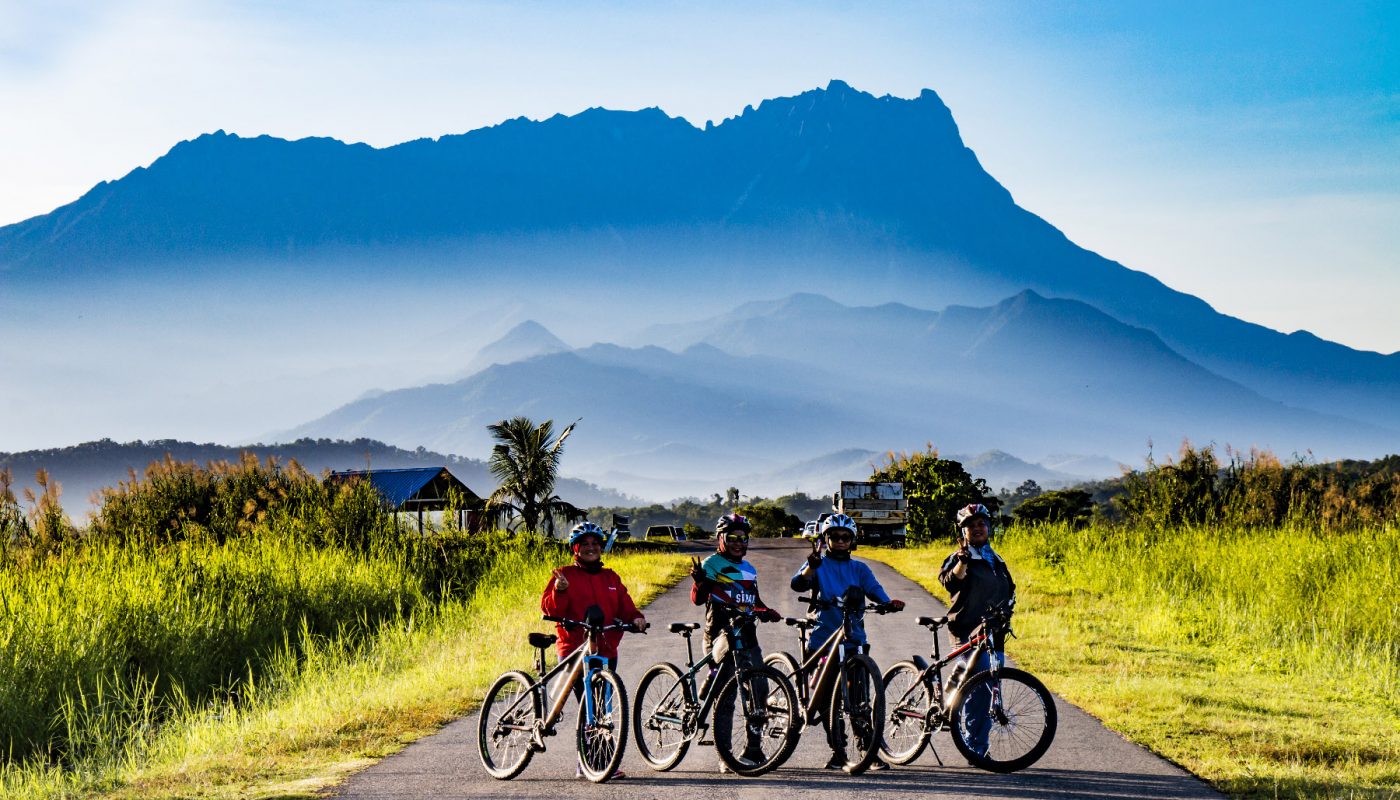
(526, 340)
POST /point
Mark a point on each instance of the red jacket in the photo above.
(602, 588)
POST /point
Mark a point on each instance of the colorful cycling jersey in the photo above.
(733, 583)
(727, 583)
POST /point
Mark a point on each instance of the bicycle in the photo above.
(513, 723)
(1020, 712)
(671, 709)
(842, 665)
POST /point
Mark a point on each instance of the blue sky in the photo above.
(1248, 153)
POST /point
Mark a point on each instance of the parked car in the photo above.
(672, 533)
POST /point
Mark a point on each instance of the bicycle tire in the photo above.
(1022, 736)
(662, 697)
(858, 714)
(602, 742)
(770, 729)
(908, 703)
(787, 665)
(505, 728)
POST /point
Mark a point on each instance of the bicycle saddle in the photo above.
(931, 623)
(802, 624)
(542, 639)
(682, 627)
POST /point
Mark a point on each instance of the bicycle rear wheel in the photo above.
(857, 714)
(506, 727)
(755, 721)
(908, 703)
(1003, 723)
(602, 739)
(659, 716)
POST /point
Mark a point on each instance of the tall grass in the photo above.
(1266, 660)
(319, 706)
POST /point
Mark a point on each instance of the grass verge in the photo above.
(1266, 662)
(328, 706)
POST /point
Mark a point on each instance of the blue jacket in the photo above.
(833, 577)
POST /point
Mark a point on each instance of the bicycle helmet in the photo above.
(972, 511)
(838, 522)
(731, 523)
(586, 529)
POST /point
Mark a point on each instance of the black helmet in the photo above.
(972, 511)
(731, 523)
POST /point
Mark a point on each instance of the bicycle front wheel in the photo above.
(660, 714)
(506, 727)
(908, 704)
(857, 714)
(755, 722)
(1003, 722)
(602, 739)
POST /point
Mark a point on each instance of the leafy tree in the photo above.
(1074, 506)
(526, 463)
(770, 520)
(934, 489)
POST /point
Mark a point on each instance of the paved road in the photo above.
(1085, 761)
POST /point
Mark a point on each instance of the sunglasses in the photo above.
(737, 538)
(840, 537)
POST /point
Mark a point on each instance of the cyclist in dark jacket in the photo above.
(978, 580)
(723, 582)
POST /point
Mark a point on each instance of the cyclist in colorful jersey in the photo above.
(722, 582)
(572, 590)
(977, 580)
(828, 579)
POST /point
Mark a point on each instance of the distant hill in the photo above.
(526, 340)
(776, 395)
(84, 469)
(872, 198)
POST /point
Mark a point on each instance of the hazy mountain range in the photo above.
(643, 230)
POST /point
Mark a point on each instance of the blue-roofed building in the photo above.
(418, 489)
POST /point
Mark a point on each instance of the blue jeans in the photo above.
(977, 707)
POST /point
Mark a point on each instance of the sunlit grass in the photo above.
(1267, 661)
(319, 705)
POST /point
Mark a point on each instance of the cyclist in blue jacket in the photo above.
(828, 578)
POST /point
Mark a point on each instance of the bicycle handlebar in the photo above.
(878, 608)
(575, 623)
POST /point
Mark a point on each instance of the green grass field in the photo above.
(1265, 661)
(261, 667)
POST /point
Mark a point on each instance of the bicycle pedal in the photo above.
(707, 742)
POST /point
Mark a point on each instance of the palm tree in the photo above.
(525, 462)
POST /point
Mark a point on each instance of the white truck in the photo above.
(877, 508)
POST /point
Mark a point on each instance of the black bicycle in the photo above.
(1001, 719)
(839, 683)
(755, 722)
(513, 721)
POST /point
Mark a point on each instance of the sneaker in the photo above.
(878, 765)
(754, 756)
(617, 776)
(836, 762)
(578, 770)
(723, 769)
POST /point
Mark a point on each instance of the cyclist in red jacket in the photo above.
(573, 589)
(586, 582)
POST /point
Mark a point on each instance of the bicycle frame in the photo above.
(578, 663)
(834, 650)
(711, 694)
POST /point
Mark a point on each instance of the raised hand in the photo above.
(814, 558)
(697, 569)
(561, 583)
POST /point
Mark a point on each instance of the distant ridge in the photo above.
(830, 187)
